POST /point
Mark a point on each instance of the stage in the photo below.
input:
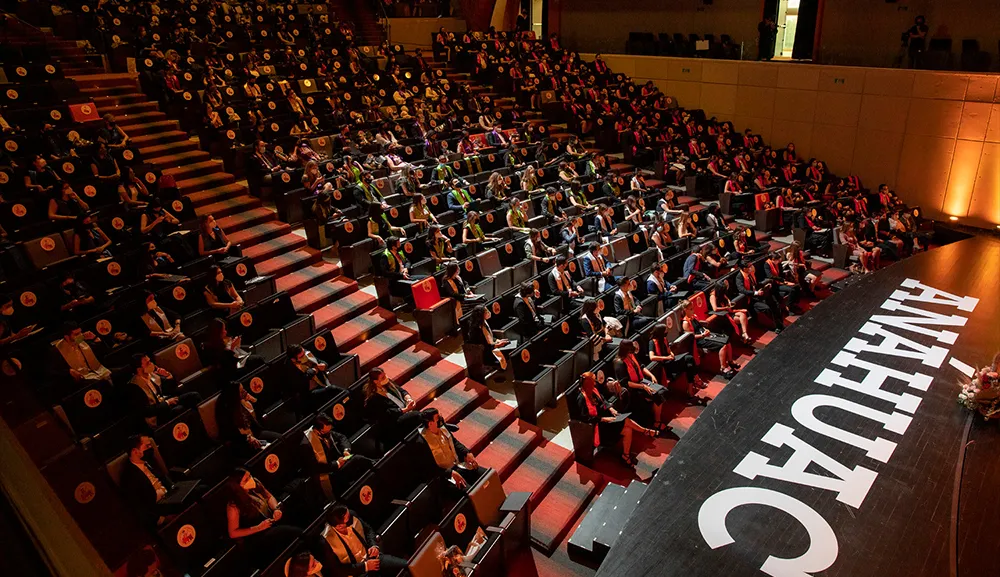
(841, 450)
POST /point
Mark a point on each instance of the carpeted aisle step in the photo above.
(305, 278)
(194, 169)
(555, 514)
(159, 137)
(168, 148)
(433, 381)
(317, 297)
(508, 449)
(539, 471)
(276, 246)
(217, 194)
(179, 159)
(259, 233)
(234, 223)
(482, 424)
(198, 183)
(228, 207)
(338, 309)
(356, 330)
(409, 362)
(141, 128)
(287, 262)
(816, 265)
(378, 349)
(832, 275)
(460, 400)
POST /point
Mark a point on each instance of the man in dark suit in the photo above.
(762, 299)
(595, 265)
(787, 289)
(529, 323)
(351, 548)
(327, 455)
(560, 283)
(629, 307)
(144, 485)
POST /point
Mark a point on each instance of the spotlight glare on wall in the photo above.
(952, 218)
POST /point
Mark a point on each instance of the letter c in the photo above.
(823, 548)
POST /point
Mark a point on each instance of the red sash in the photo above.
(634, 369)
(592, 411)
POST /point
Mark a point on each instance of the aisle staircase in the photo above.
(524, 460)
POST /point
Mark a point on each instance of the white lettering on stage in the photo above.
(880, 336)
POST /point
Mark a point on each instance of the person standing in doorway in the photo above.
(915, 40)
(767, 31)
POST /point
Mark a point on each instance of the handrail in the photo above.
(22, 22)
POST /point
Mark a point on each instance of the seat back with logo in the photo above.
(183, 439)
(425, 293)
(181, 359)
(46, 251)
(459, 526)
(276, 465)
(487, 496)
(91, 408)
(193, 537)
(425, 562)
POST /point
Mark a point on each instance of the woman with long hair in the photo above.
(722, 306)
(212, 240)
(588, 405)
(253, 516)
(647, 395)
(707, 341)
(391, 408)
(220, 294)
(237, 421)
(670, 365)
(478, 332)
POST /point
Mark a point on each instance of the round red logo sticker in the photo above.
(114, 269)
(28, 299)
(509, 248)
(103, 327)
(182, 351)
(565, 328)
(179, 293)
(92, 398)
(186, 536)
(89, 190)
(271, 463)
(339, 412)
(525, 355)
(246, 319)
(366, 495)
(150, 178)
(256, 385)
(460, 523)
(241, 269)
(496, 308)
(600, 376)
(47, 243)
(84, 493)
(468, 265)
(320, 344)
(181, 432)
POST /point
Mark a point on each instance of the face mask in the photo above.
(151, 305)
(250, 485)
(78, 339)
(219, 278)
(7, 311)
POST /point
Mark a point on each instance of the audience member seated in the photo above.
(762, 298)
(647, 395)
(736, 318)
(76, 357)
(237, 421)
(220, 294)
(328, 454)
(455, 461)
(253, 517)
(212, 240)
(705, 341)
(589, 406)
(146, 486)
(310, 386)
(145, 394)
(391, 410)
(351, 547)
(668, 365)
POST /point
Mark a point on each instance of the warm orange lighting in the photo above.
(953, 218)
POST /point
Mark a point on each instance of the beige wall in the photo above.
(416, 32)
(934, 137)
(854, 32)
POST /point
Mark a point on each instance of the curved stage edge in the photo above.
(841, 450)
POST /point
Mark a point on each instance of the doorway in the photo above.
(796, 31)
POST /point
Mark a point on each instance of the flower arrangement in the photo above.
(982, 393)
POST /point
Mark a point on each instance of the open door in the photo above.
(805, 32)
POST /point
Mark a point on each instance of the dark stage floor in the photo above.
(840, 450)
